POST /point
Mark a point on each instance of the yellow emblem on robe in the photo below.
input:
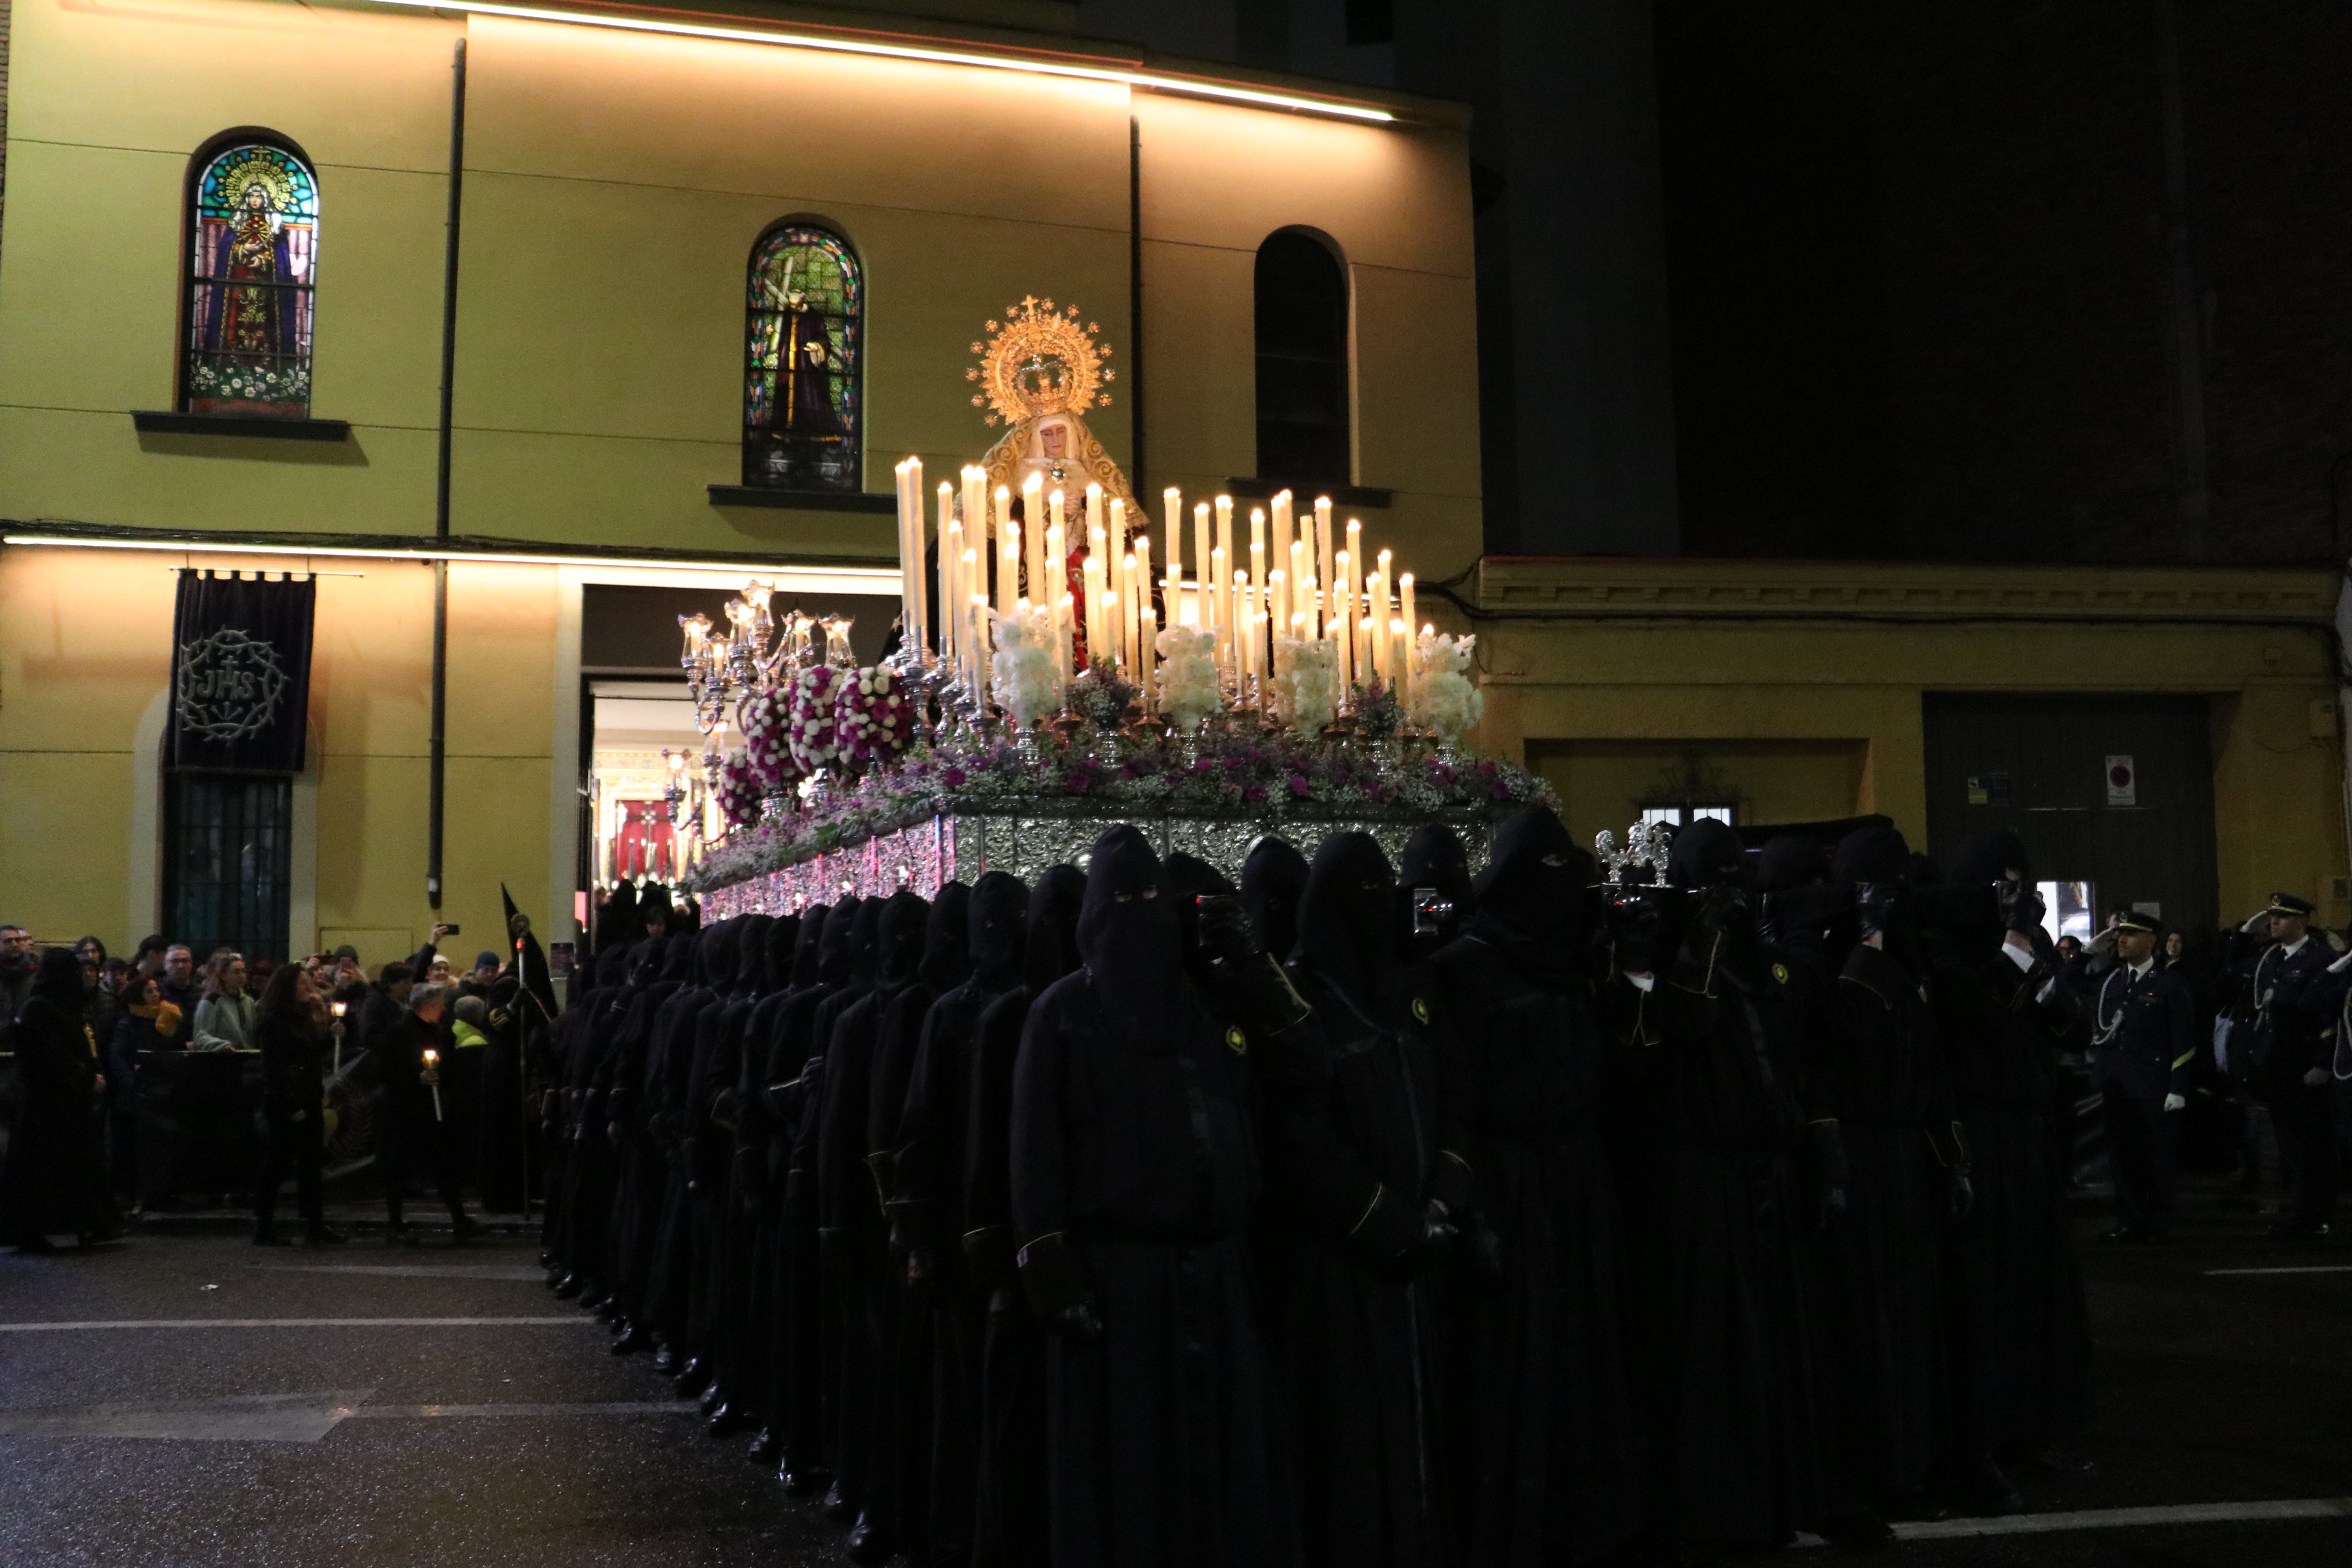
(1419, 1011)
(1235, 1041)
(1780, 973)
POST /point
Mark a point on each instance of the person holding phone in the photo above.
(294, 1034)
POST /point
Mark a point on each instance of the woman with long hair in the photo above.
(291, 1029)
(55, 1178)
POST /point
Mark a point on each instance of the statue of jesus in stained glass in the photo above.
(801, 412)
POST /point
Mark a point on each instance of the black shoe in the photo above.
(712, 1399)
(724, 1422)
(2296, 1230)
(765, 1448)
(665, 1359)
(1914, 1506)
(465, 1229)
(869, 1544)
(2056, 1462)
(400, 1236)
(568, 1287)
(692, 1377)
(801, 1477)
(2121, 1233)
(1989, 1494)
(605, 1309)
(264, 1236)
(323, 1234)
(837, 1506)
(632, 1340)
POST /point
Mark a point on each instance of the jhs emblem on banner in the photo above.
(230, 685)
(240, 673)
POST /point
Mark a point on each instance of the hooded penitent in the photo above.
(1988, 857)
(1050, 939)
(807, 945)
(947, 940)
(617, 924)
(1127, 941)
(1345, 932)
(1789, 862)
(1705, 854)
(1000, 906)
(1870, 854)
(1273, 879)
(1531, 896)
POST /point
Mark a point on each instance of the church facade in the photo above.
(527, 333)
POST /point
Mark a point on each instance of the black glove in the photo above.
(1058, 1288)
(1634, 923)
(1874, 903)
(1437, 1234)
(2021, 907)
(1078, 1321)
(1962, 1196)
(1249, 982)
(922, 1267)
(1484, 1250)
(1829, 1206)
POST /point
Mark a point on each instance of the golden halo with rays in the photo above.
(258, 166)
(1039, 361)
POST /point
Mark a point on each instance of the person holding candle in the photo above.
(416, 1137)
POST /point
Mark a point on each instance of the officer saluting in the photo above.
(2294, 1000)
(2143, 1034)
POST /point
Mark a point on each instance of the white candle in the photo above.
(912, 633)
(1200, 556)
(1150, 633)
(1405, 620)
(1214, 601)
(975, 515)
(1277, 600)
(1033, 509)
(1008, 566)
(1281, 509)
(951, 596)
(1258, 548)
(1117, 509)
(1172, 508)
(1342, 616)
(1226, 540)
(974, 605)
(1323, 549)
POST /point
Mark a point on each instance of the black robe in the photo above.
(1353, 1163)
(1719, 1245)
(1545, 1428)
(2021, 1332)
(1134, 1173)
(55, 1178)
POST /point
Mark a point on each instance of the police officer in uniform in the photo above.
(2143, 1036)
(2288, 1056)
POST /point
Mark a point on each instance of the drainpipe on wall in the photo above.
(437, 767)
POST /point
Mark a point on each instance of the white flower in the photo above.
(1023, 673)
(1445, 698)
(1188, 674)
(1306, 682)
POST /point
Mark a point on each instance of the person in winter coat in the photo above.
(293, 1035)
(225, 1018)
(55, 1181)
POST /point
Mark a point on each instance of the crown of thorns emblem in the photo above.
(230, 685)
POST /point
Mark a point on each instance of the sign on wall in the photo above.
(240, 673)
(2123, 782)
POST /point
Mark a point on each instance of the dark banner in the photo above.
(240, 673)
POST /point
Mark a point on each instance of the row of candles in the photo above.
(1305, 580)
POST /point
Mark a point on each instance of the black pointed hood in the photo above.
(677, 957)
(714, 953)
(653, 909)
(999, 910)
(809, 943)
(1531, 896)
(1434, 857)
(1346, 935)
(1128, 939)
(866, 942)
(1049, 937)
(1274, 879)
(776, 953)
(617, 923)
(1870, 854)
(1791, 861)
(837, 963)
(947, 940)
(751, 954)
(1988, 857)
(898, 939)
(1706, 853)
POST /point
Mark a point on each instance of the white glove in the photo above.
(2341, 965)
(2174, 1103)
(2255, 922)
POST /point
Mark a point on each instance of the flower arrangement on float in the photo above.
(1043, 664)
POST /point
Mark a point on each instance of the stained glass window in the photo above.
(1303, 425)
(804, 329)
(253, 252)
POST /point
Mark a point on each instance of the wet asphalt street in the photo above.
(484, 1424)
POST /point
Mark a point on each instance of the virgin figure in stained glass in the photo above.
(254, 246)
(799, 394)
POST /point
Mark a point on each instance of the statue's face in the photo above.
(255, 199)
(1054, 440)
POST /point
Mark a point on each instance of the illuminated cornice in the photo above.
(1076, 68)
(799, 575)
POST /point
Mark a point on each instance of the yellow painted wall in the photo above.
(85, 651)
(1595, 670)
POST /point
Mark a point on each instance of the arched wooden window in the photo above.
(253, 257)
(803, 415)
(1303, 435)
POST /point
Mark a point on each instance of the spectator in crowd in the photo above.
(345, 968)
(225, 1018)
(2070, 949)
(54, 1181)
(258, 975)
(179, 987)
(101, 1004)
(293, 1034)
(472, 1027)
(485, 974)
(385, 1005)
(145, 1022)
(16, 964)
(148, 956)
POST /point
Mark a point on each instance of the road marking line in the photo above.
(611, 1407)
(412, 1271)
(2308, 1269)
(2119, 1519)
(574, 1320)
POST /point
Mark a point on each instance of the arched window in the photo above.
(253, 255)
(1302, 362)
(803, 417)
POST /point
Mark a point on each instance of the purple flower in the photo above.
(1299, 785)
(1253, 793)
(1077, 781)
(951, 777)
